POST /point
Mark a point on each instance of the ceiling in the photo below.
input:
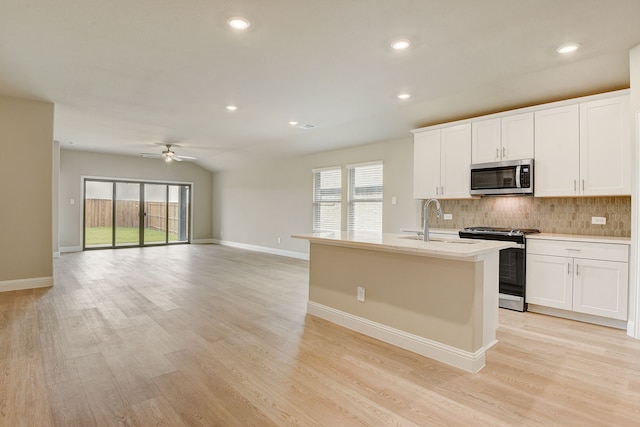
(129, 76)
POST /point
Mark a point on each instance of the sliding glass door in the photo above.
(125, 213)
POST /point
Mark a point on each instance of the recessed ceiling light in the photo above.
(404, 95)
(238, 23)
(293, 123)
(401, 44)
(568, 48)
(231, 107)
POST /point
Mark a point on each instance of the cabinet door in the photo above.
(485, 141)
(455, 144)
(426, 164)
(601, 287)
(517, 137)
(557, 150)
(550, 281)
(605, 147)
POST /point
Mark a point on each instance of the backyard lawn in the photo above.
(98, 236)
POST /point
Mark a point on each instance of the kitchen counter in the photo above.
(437, 298)
(439, 246)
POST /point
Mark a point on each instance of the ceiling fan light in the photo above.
(168, 158)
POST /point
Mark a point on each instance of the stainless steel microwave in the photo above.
(502, 178)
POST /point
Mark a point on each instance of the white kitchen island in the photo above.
(437, 298)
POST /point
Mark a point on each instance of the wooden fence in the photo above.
(98, 213)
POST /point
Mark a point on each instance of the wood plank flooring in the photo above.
(203, 335)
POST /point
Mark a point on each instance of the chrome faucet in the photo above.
(425, 231)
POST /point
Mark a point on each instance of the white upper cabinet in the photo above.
(426, 164)
(506, 138)
(605, 148)
(557, 148)
(583, 149)
(486, 145)
(517, 137)
(441, 160)
(455, 161)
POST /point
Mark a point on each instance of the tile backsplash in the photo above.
(565, 215)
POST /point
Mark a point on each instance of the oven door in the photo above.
(512, 278)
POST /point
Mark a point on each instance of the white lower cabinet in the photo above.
(583, 277)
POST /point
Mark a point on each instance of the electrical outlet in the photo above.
(394, 200)
(279, 240)
(600, 220)
(448, 217)
(360, 294)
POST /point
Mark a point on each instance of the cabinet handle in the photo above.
(577, 269)
(583, 185)
(575, 185)
(504, 152)
(497, 153)
(442, 190)
(437, 190)
(568, 268)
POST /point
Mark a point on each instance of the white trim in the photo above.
(580, 317)
(633, 328)
(65, 249)
(265, 249)
(371, 163)
(203, 241)
(327, 168)
(468, 361)
(22, 284)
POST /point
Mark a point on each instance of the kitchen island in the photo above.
(437, 298)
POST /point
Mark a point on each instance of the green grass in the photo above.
(98, 236)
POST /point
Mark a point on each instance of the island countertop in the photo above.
(453, 248)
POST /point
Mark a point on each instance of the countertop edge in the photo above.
(470, 256)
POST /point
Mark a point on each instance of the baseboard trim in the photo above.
(470, 362)
(22, 284)
(580, 317)
(203, 241)
(56, 254)
(265, 249)
(65, 249)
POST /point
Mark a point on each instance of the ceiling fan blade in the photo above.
(185, 157)
(176, 158)
(151, 155)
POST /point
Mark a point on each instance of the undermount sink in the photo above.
(457, 242)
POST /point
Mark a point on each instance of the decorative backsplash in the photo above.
(566, 215)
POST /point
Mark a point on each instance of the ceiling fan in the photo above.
(169, 155)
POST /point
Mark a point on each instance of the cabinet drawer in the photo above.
(586, 250)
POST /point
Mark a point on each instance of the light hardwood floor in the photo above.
(210, 335)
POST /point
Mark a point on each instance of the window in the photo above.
(327, 197)
(365, 197)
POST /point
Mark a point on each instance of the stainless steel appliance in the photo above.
(512, 276)
(502, 178)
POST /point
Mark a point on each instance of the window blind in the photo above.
(365, 197)
(327, 199)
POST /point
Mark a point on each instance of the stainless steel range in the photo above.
(512, 262)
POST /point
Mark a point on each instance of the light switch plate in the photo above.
(600, 220)
(448, 217)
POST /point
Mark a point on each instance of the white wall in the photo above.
(257, 205)
(634, 295)
(75, 164)
(26, 138)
